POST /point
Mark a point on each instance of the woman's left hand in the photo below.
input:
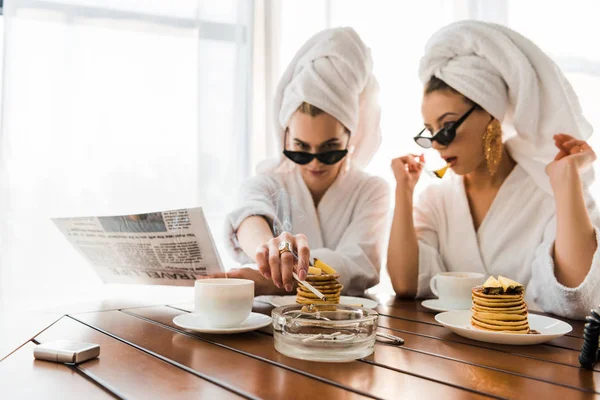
(573, 155)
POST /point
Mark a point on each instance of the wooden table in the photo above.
(144, 355)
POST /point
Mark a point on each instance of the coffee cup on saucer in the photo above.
(453, 289)
(223, 302)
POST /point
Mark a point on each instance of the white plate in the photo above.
(459, 322)
(438, 305)
(194, 322)
(279, 301)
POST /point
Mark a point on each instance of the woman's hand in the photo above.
(407, 171)
(275, 263)
(574, 155)
(575, 242)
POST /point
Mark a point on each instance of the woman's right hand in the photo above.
(279, 266)
(407, 171)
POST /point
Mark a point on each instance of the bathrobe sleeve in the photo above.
(357, 257)
(551, 295)
(256, 198)
(429, 223)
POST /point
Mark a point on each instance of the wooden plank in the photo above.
(361, 377)
(132, 373)
(413, 310)
(23, 377)
(408, 313)
(539, 352)
(482, 379)
(251, 376)
(549, 372)
(556, 353)
(490, 381)
(565, 342)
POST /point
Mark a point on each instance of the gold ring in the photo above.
(285, 247)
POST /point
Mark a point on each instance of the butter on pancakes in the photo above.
(498, 306)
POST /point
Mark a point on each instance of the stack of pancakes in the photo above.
(498, 306)
(324, 283)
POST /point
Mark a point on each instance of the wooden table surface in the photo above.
(144, 355)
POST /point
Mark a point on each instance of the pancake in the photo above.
(320, 278)
(503, 310)
(483, 328)
(324, 279)
(327, 291)
(325, 285)
(483, 316)
(485, 303)
(332, 286)
(302, 300)
(492, 300)
(306, 300)
(478, 291)
(493, 322)
(491, 327)
(329, 296)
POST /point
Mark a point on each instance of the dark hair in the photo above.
(435, 84)
(306, 108)
(313, 111)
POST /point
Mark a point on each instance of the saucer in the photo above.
(194, 322)
(279, 301)
(438, 305)
(459, 322)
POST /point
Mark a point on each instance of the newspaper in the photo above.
(161, 248)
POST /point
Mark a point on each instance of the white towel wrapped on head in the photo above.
(516, 82)
(333, 71)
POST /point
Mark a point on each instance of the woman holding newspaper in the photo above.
(314, 199)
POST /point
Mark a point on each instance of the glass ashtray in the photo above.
(337, 334)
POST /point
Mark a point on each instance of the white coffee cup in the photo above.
(454, 288)
(223, 302)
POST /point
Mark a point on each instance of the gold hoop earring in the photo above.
(492, 146)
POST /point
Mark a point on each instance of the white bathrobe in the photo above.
(515, 240)
(347, 230)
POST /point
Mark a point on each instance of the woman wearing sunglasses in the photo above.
(517, 204)
(314, 200)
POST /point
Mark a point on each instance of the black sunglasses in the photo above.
(327, 157)
(303, 158)
(444, 136)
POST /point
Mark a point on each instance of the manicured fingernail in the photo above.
(267, 275)
(288, 287)
(302, 274)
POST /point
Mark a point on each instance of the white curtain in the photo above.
(114, 107)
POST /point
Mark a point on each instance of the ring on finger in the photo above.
(285, 247)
